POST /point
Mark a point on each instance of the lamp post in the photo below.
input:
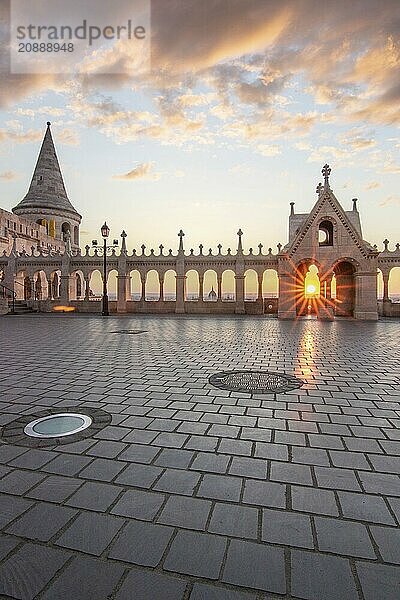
(105, 232)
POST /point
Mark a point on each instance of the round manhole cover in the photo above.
(255, 382)
(130, 331)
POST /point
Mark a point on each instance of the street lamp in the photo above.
(105, 232)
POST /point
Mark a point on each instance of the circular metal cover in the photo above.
(255, 382)
(51, 427)
(58, 425)
(130, 331)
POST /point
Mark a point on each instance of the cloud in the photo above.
(268, 150)
(141, 171)
(8, 175)
(393, 199)
(372, 185)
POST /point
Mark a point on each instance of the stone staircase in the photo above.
(21, 308)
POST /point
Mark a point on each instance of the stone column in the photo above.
(366, 305)
(123, 282)
(239, 293)
(201, 287)
(385, 276)
(161, 280)
(65, 289)
(286, 296)
(87, 288)
(72, 287)
(386, 302)
(143, 292)
(219, 287)
(325, 309)
(180, 293)
(260, 286)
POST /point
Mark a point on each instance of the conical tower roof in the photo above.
(47, 190)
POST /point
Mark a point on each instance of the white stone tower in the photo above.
(47, 202)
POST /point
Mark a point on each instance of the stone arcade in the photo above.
(53, 270)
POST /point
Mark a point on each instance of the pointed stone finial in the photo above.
(181, 236)
(260, 247)
(319, 189)
(134, 252)
(240, 247)
(143, 247)
(291, 208)
(87, 248)
(354, 201)
(170, 252)
(386, 244)
(123, 245)
(250, 250)
(48, 123)
(210, 251)
(201, 248)
(228, 251)
(279, 247)
(152, 252)
(269, 250)
(161, 249)
(397, 246)
(326, 171)
(191, 251)
(219, 248)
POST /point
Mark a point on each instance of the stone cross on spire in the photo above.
(240, 247)
(123, 245)
(326, 171)
(181, 235)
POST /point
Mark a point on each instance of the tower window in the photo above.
(325, 233)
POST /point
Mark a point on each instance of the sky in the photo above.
(240, 108)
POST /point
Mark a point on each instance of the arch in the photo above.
(228, 286)
(53, 282)
(210, 286)
(65, 230)
(345, 288)
(308, 288)
(40, 289)
(44, 223)
(152, 286)
(250, 285)
(95, 285)
(136, 286)
(112, 284)
(169, 288)
(394, 284)
(27, 288)
(192, 290)
(325, 233)
(270, 284)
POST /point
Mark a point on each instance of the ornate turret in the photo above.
(47, 202)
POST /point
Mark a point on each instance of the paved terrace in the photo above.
(193, 492)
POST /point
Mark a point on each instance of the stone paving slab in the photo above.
(192, 492)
